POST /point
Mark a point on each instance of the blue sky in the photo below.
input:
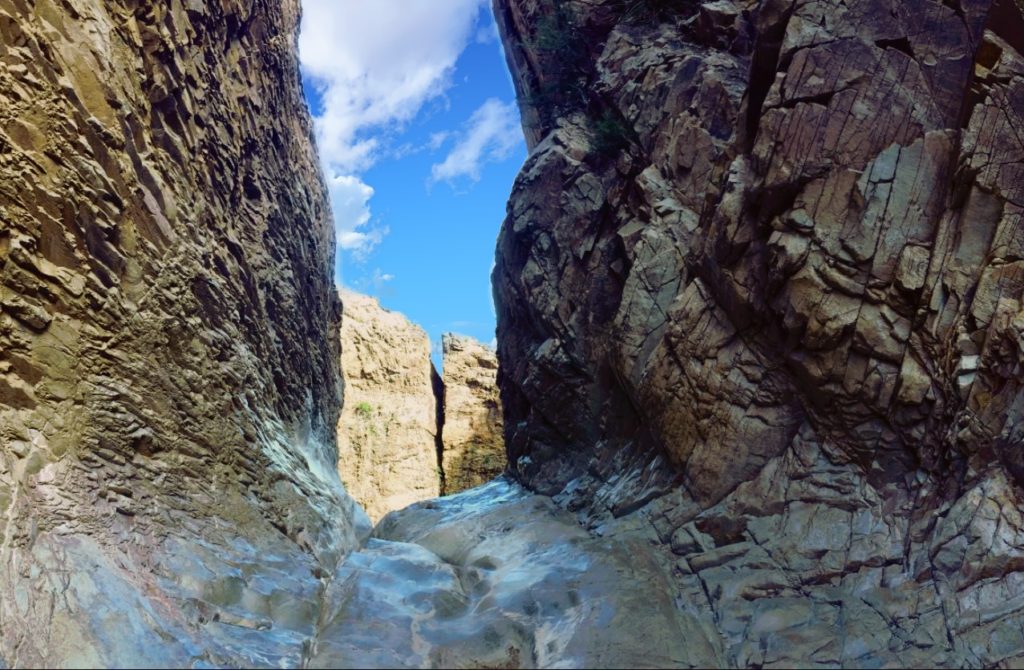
(420, 141)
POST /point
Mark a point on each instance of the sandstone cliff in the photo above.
(406, 434)
(388, 431)
(473, 444)
(761, 280)
(168, 357)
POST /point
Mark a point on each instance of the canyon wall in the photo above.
(406, 433)
(389, 430)
(759, 288)
(474, 446)
(760, 332)
(168, 348)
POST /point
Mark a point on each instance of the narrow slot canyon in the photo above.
(756, 393)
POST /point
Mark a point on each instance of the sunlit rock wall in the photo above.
(474, 444)
(406, 433)
(388, 430)
(168, 384)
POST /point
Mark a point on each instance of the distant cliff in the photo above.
(473, 443)
(388, 431)
(405, 433)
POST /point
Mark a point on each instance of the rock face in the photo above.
(759, 290)
(473, 442)
(405, 433)
(168, 369)
(388, 431)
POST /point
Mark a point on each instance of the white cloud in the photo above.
(488, 32)
(375, 63)
(350, 202)
(491, 133)
(437, 139)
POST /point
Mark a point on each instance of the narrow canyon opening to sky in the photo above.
(420, 139)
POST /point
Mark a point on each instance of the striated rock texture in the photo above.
(474, 446)
(759, 291)
(168, 384)
(388, 431)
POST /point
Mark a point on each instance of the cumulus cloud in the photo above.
(374, 64)
(491, 133)
(350, 202)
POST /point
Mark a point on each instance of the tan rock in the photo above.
(387, 432)
(474, 446)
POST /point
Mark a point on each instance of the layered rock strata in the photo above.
(168, 349)
(473, 450)
(759, 292)
(388, 431)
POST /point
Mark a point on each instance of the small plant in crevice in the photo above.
(561, 45)
(364, 410)
(612, 135)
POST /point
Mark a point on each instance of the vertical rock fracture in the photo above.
(405, 433)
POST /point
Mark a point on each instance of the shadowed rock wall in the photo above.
(761, 280)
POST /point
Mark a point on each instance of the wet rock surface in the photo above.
(473, 449)
(757, 288)
(388, 431)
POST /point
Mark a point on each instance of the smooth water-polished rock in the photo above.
(500, 577)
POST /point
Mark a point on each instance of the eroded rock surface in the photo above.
(759, 288)
(473, 450)
(168, 349)
(388, 430)
(499, 577)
